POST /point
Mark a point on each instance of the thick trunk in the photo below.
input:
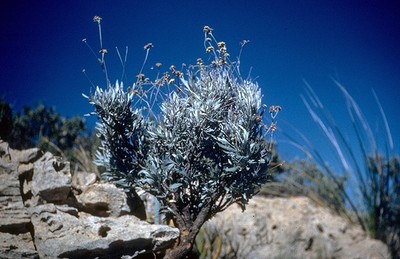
(183, 249)
(189, 231)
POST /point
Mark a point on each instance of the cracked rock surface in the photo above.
(45, 212)
(293, 228)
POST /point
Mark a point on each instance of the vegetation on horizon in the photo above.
(44, 128)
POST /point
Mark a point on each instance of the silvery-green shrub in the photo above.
(207, 147)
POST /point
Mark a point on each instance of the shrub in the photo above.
(305, 178)
(5, 119)
(206, 149)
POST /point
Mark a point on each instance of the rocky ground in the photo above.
(45, 212)
(292, 228)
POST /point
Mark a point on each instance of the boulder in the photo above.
(104, 199)
(292, 228)
(26, 156)
(60, 234)
(51, 179)
(82, 180)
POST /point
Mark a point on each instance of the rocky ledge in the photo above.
(292, 228)
(45, 212)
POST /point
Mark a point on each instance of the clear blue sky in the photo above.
(355, 42)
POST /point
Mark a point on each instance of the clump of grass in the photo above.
(305, 178)
(213, 243)
(371, 168)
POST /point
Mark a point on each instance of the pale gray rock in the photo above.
(13, 216)
(104, 199)
(293, 228)
(26, 171)
(26, 156)
(15, 246)
(51, 179)
(59, 234)
(4, 153)
(81, 180)
(9, 183)
(42, 214)
(21, 156)
(15, 225)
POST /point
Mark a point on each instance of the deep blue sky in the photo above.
(355, 42)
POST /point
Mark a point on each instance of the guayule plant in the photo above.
(207, 148)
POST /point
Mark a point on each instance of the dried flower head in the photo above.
(275, 109)
(148, 46)
(158, 64)
(244, 42)
(208, 29)
(221, 44)
(167, 76)
(103, 51)
(140, 76)
(210, 49)
(97, 19)
(178, 74)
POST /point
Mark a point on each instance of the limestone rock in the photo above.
(43, 214)
(15, 225)
(104, 199)
(81, 180)
(13, 216)
(26, 156)
(9, 183)
(4, 153)
(51, 179)
(60, 234)
(293, 228)
(17, 246)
